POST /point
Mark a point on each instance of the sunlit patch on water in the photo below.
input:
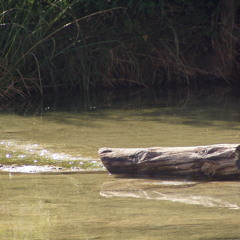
(174, 191)
(173, 183)
(192, 199)
(12, 152)
(30, 169)
(36, 149)
(187, 199)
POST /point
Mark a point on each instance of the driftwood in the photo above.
(220, 161)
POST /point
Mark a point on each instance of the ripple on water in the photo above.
(13, 152)
(174, 191)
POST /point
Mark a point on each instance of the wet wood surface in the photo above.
(211, 162)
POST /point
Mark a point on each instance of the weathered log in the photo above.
(220, 161)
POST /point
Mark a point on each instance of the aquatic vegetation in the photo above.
(19, 155)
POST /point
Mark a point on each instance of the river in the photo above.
(80, 200)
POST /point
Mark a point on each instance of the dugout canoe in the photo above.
(220, 161)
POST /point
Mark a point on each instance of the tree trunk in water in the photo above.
(212, 162)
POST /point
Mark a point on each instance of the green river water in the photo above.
(92, 204)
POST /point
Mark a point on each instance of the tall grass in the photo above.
(44, 45)
(56, 46)
(64, 46)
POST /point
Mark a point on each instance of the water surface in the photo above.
(99, 206)
(96, 205)
(69, 134)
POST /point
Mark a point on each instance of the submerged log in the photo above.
(220, 161)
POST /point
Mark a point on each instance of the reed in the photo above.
(64, 46)
(46, 47)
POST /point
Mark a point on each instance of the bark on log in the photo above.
(220, 161)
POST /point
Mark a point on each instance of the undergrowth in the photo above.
(78, 45)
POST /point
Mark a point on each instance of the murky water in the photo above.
(99, 206)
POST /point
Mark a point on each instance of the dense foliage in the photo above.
(65, 45)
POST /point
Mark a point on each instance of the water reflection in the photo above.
(207, 194)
